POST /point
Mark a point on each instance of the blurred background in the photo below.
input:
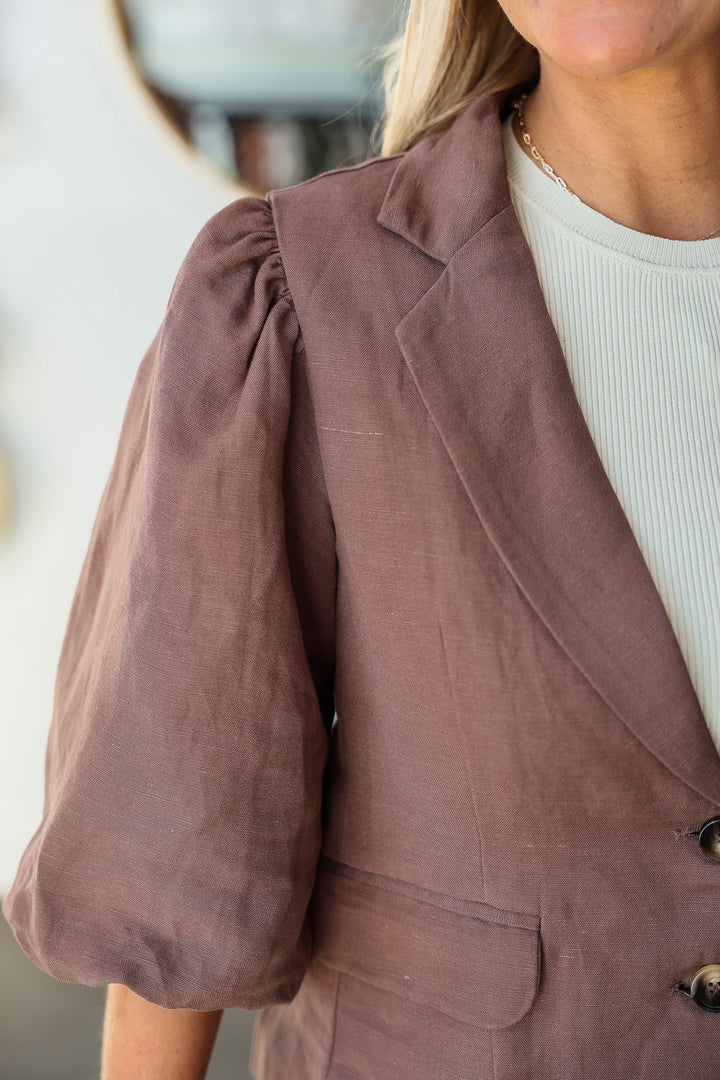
(124, 125)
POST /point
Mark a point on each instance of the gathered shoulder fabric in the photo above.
(182, 818)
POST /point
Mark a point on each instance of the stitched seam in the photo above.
(377, 160)
(493, 916)
(299, 349)
(286, 296)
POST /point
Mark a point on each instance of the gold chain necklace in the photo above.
(518, 105)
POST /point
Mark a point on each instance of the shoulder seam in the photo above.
(379, 160)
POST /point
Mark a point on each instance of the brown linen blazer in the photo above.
(368, 713)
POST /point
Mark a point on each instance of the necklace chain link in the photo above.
(518, 105)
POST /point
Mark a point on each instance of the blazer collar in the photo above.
(452, 183)
(489, 367)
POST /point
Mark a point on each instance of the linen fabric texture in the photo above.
(185, 703)
(353, 478)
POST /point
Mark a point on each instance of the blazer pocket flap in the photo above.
(472, 961)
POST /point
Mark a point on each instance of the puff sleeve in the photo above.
(193, 697)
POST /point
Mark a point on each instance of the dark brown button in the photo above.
(705, 987)
(709, 838)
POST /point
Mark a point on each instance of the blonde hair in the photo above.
(449, 53)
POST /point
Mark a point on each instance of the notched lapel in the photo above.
(489, 367)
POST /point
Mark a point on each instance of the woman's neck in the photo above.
(641, 148)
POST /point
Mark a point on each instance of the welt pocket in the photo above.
(472, 961)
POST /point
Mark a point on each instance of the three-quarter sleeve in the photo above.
(182, 815)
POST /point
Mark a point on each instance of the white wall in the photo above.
(98, 204)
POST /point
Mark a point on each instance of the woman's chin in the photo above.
(601, 58)
(605, 44)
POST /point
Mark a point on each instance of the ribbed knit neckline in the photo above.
(541, 189)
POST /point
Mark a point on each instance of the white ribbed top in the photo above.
(638, 318)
